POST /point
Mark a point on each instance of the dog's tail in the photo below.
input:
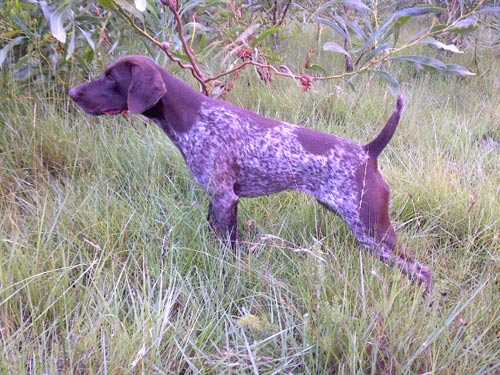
(375, 147)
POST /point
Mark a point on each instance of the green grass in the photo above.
(107, 264)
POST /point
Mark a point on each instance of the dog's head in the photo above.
(133, 83)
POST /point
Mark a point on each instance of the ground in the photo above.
(107, 263)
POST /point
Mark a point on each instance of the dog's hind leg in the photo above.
(370, 223)
(380, 240)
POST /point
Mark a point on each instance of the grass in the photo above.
(107, 264)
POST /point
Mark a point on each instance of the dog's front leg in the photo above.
(223, 216)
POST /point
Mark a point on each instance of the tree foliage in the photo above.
(216, 39)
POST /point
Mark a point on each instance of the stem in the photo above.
(185, 46)
(204, 80)
(283, 14)
(164, 48)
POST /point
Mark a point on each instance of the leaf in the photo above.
(24, 72)
(88, 38)
(107, 4)
(45, 9)
(55, 18)
(458, 70)
(199, 27)
(439, 45)
(490, 10)
(113, 47)
(354, 26)
(356, 5)
(89, 55)
(125, 6)
(334, 47)
(334, 26)
(398, 19)
(438, 27)
(249, 31)
(189, 5)
(465, 25)
(401, 22)
(56, 23)
(324, 6)
(271, 31)
(71, 45)
(341, 22)
(423, 60)
(318, 68)
(5, 50)
(140, 5)
(418, 11)
(376, 52)
(350, 82)
(391, 81)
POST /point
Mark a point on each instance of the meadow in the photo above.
(107, 263)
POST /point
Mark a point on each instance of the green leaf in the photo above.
(354, 26)
(438, 27)
(324, 6)
(199, 27)
(465, 25)
(458, 70)
(350, 82)
(88, 55)
(107, 4)
(398, 19)
(393, 83)
(334, 26)
(24, 72)
(356, 5)
(401, 21)
(71, 45)
(492, 10)
(128, 8)
(423, 60)
(382, 48)
(265, 34)
(56, 23)
(318, 68)
(5, 50)
(442, 46)
(88, 38)
(334, 47)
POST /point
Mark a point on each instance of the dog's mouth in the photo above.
(114, 112)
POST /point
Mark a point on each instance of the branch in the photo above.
(283, 70)
(185, 46)
(283, 14)
(165, 47)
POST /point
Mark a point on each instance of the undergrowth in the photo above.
(107, 264)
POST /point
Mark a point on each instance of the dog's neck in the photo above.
(178, 109)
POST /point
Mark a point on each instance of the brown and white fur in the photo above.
(235, 153)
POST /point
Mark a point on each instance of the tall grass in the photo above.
(107, 264)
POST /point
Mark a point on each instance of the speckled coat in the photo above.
(233, 153)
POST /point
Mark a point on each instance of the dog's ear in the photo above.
(146, 86)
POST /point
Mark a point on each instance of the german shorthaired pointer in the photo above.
(237, 153)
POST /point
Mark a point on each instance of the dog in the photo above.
(234, 153)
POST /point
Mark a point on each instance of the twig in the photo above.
(204, 80)
(283, 14)
(185, 46)
(163, 46)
